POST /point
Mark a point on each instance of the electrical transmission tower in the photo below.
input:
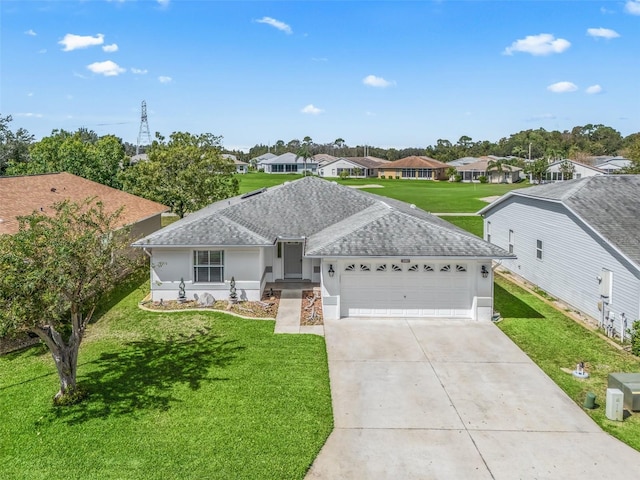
(144, 137)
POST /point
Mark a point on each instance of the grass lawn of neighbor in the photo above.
(172, 395)
(434, 197)
(555, 341)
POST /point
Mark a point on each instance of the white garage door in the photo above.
(406, 290)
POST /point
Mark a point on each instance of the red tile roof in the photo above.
(23, 194)
(414, 162)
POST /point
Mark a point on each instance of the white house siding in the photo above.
(554, 172)
(333, 169)
(406, 293)
(168, 266)
(573, 256)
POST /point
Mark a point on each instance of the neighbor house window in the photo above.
(511, 237)
(539, 249)
(208, 266)
(489, 232)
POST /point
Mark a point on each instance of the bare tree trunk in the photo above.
(65, 354)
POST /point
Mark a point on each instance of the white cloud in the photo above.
(164, 3)
(373, 81)
(602, 33)
(106, 68)
(632, 7)
(138, 71)
(30, 94)
(165, 79)
(276, 24)
(110, 48)
(30, 115)
(562, 87)
(310, 109)
(31, 33)
(74, 42)
(594, 89)
(542, 44)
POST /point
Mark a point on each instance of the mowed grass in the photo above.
(472, 224)
(172, 395)
(435, 197)
(554, 341)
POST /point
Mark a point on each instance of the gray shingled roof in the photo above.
(335, 221)
(610, 204)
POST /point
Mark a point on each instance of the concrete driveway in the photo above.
(453, 399)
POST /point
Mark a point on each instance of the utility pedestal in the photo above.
(615, 408)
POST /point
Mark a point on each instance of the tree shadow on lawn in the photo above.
(143, 374)
(511, 306)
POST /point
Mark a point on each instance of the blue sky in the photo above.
(389, 74)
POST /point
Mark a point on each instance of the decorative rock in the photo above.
(207, 300)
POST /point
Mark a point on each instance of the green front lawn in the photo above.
(172, 395)
(554, 342)
(436, 197)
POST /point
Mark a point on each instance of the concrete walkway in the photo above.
(452, 399)
(288, 317)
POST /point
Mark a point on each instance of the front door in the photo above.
(292, 260)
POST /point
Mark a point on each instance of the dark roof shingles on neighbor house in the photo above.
(22, 195)
(610, 204)
(335, 221)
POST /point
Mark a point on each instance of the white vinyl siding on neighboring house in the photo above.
(563, 256)
(488, 231)
(208, 266)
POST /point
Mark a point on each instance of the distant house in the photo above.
(324, 158)
(288, 163)
(614, 165)
(372, 256)
(255, 161)
(578, 241)
(23, 195)
(462, 161)
(557, 171)
(356, 167)
(241, 167)
(414, 168)
(503, 173)
(140, 157)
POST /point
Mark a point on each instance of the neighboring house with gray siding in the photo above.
(576, 240)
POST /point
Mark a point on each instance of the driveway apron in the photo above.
(453, 399)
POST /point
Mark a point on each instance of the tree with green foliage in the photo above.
(537, 169)
(632, 152)
(54, 270)
(567, 169)
(14, 146)
(186, 173)
(304, 152)
(451, 173)
(497, 165)
(81, 153)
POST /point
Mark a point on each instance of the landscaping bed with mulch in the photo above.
(266, 308)
(311, 311)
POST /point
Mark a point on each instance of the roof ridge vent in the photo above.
(254, 192)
